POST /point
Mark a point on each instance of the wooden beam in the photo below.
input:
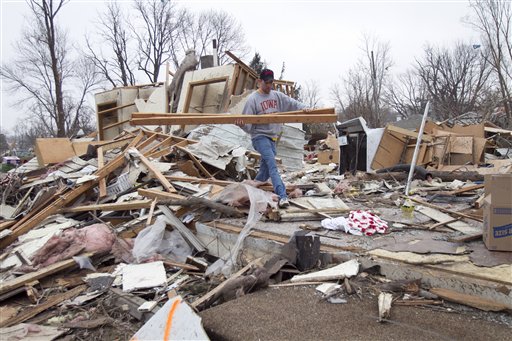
(118, 206)
(6, 224)
(315, 116)
(115, 124)
(115, 108)
(146, 142)
(103, 182)
(41, 273)
(230, 119)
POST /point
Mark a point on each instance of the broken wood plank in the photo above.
(150, 214)
(417, 302)
(6, 224)
(51, 302)
(161, 178)
(445, 219)
(465, 189)
(117, 206)
(115, 108)
(103, 182)
(197, 303)
(436, 225)
(442, 209)
(472, 301)
(32, 276)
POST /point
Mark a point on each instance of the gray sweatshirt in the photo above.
(260, 104)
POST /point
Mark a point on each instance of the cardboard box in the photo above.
(329, 156)
(497, 230)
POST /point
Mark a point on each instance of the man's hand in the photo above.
(239, 122)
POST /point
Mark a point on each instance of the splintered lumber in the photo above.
(161, 178)
(51, 302)
(118, 206)
(185, 232)
(197, 303)
(314, 116)
(32, 220)
(472, 301)
(41, 273)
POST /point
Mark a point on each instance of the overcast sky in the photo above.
(318, 40)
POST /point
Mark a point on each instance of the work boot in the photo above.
(283, 202)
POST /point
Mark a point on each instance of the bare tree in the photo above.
(453, 78)
(361, 91)
(311, 94)
(53, 85)
(198, 31)
(117, 65)
(407, 96)
(156, 35)
(493, 19)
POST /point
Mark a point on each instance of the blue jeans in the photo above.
(268, 167)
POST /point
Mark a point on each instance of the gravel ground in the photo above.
(297, 313)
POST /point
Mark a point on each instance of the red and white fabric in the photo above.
(358, 223)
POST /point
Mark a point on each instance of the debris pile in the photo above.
(121, 233)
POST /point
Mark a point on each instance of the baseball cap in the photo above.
(267, 75)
